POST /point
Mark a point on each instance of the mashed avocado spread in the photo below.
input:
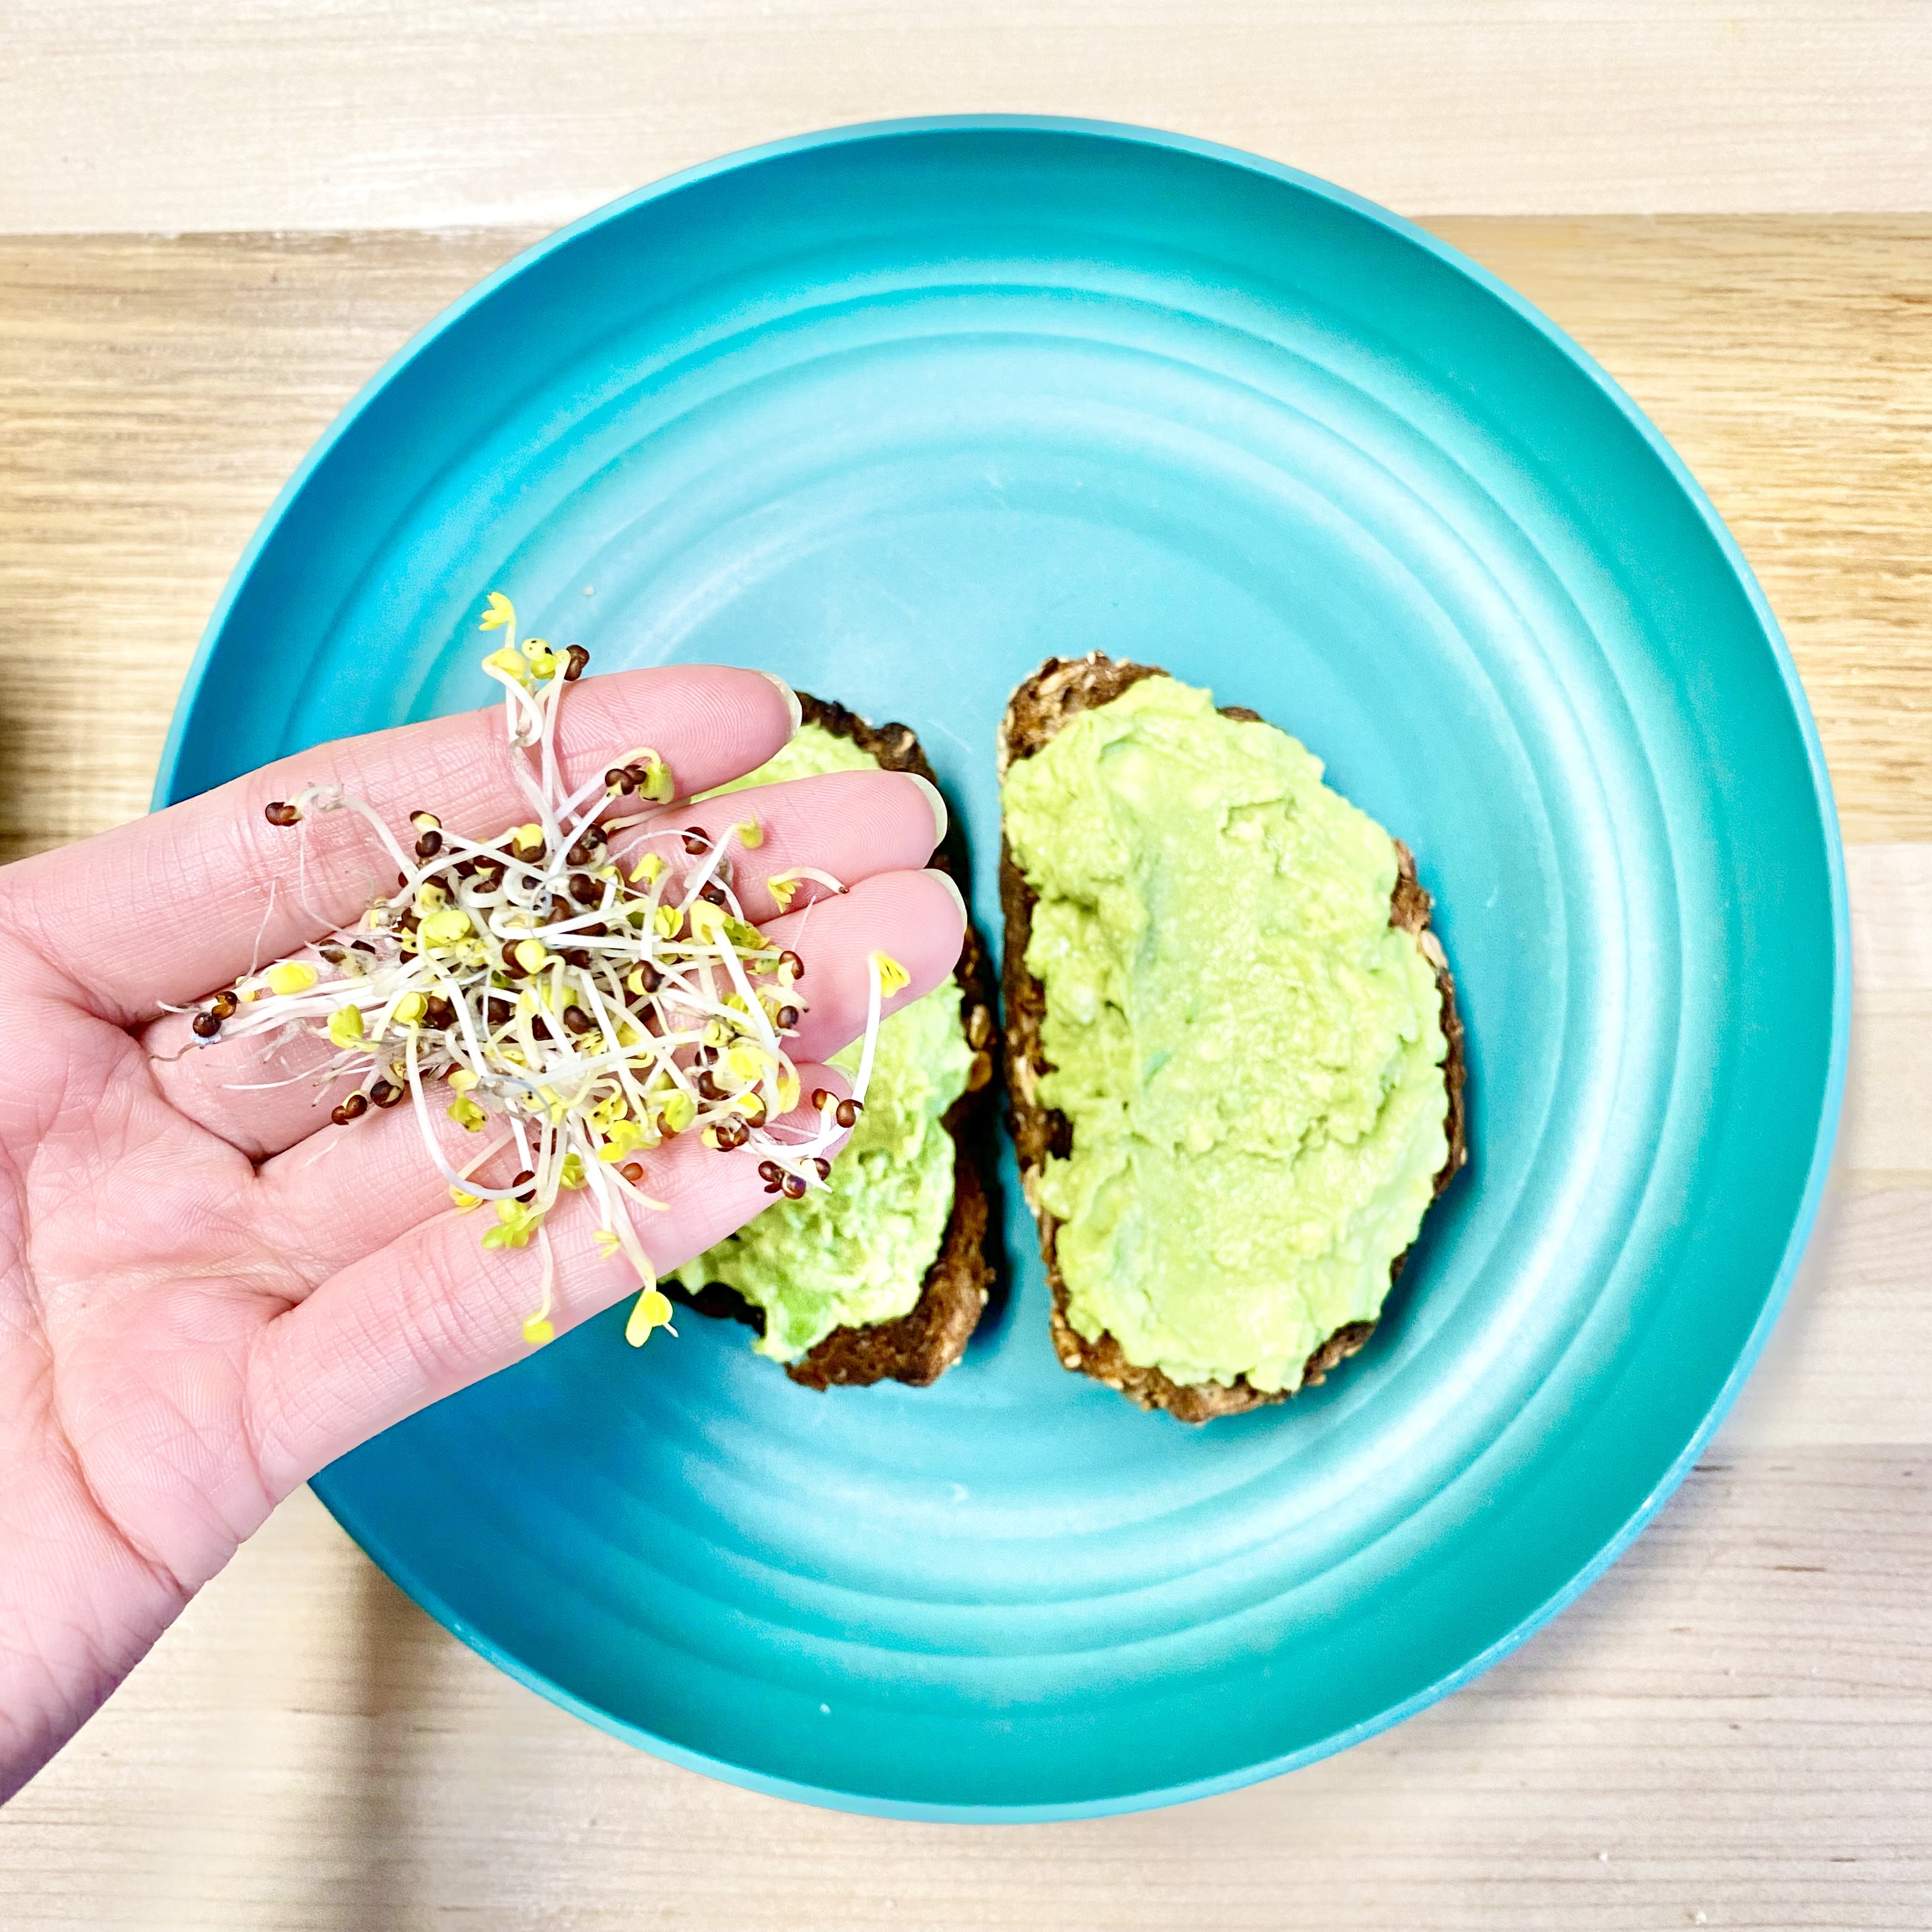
(1249, 1055)
(858, 1252)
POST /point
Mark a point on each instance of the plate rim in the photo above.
(1810, 1199)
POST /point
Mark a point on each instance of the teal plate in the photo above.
(897, 411)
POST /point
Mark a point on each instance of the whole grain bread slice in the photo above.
(920, 1345)
(1038, 711)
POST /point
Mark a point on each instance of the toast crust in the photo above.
(1038, 709)
(920, 1345)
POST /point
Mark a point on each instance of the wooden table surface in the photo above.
(1734, 1728)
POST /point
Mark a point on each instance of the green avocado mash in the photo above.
(1249, 1055)
(858, 1252)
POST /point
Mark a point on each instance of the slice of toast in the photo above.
(920, 1345)
(1038, 710)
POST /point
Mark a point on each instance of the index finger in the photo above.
(169, 908)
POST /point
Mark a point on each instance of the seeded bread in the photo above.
(923, 1344)
(1055, 693)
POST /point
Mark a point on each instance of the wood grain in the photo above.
(1736, 1722)
(1791, 366)
(177, 115)
(155, 394)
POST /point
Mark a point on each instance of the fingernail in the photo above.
(946, 879)
(792, 705)
(933, 798)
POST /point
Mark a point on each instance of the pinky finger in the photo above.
(434, 1311)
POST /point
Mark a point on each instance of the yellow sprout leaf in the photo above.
(345, 1025)
(787, 1092)
(751, 834)
(651, 1311)
(509, 660)
(464, 1202)
(291, 977)
(651, 868)
(678, 1111)
(621, 1137)
(667, 919)
(892, 975)
(608, 1243)
(525, 839)
(450, 927)
(530, 954)
(783, 892)
(467, 1115)
(501, 612)
(707, 921)
(747, 1062)
(462, 1079)
(572, 1175)
(538, 1330)
(656, 786)
(410, 1008)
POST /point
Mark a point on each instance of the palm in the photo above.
(207, 1292)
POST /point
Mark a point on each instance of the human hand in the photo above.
(207, 1290)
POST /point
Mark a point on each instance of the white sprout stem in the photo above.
(579, 812)
(553, 704)
(269, 1086)
(699, 879)
(268, 914)
(309, 912)
(794, 874)
(633, 1250)
(516, 699)
(875, 1001)
(336, 800)
(469, 1166)
(533, 793)
(547, 1280)
(427, 1128)
(767, 1037)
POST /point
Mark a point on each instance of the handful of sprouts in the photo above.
(587, 980)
